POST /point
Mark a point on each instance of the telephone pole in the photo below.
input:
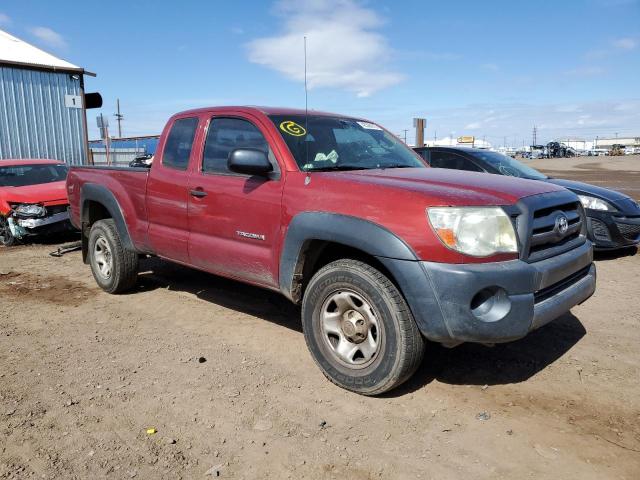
(119, 118)
(405, 135)
(535, 135)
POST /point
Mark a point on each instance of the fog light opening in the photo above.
(490, 304)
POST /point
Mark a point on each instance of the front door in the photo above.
(235, 219)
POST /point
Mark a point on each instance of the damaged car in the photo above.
(33, 199)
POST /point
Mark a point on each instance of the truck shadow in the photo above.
(255, 301)
(467, 364)
(514, 362)
(600, 255)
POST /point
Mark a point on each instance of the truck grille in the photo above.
(549, 225)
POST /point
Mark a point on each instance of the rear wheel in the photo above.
(6, 237)
(114, 268)
(359, 328)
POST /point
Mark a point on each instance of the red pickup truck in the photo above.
(346, 220)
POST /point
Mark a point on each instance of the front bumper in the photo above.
(610, 231)
(493, 302)
(21, 227)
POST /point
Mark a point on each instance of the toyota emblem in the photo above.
(562, 224)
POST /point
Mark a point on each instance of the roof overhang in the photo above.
(46, 68)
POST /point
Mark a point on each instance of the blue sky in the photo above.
(492, 68)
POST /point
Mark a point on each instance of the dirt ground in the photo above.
(221, 372)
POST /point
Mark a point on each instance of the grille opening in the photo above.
(629, 231)
(566, 207)
(546, 246)
(599, 230)
(550, 291)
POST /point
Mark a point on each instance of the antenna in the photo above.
(306, 108)
(306, 103)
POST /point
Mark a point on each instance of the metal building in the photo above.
(42, 104)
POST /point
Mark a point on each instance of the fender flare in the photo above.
(102, 195)
(354, 232)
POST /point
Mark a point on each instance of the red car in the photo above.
(33, 199)
(341, 217)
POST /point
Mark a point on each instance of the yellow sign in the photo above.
(466, 139)
(292, 128)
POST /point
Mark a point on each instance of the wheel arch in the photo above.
(313, 239)
(97, 202)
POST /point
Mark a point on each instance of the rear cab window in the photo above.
(177, 150)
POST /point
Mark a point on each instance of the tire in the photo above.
(359, 329)
(6, 237)
(114, 268)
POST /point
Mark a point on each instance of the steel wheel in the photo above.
(350, 328)
(103, 257)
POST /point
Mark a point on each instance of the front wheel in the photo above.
(359, 328)
(6, 237)
(114, 268)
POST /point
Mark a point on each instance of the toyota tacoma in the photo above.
(337, 214)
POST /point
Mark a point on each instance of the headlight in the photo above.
(476, 231)
(594, 203)
(30, 210)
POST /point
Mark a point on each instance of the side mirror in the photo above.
(249, 161)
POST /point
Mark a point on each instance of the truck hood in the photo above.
(451, 187)
(53, 193)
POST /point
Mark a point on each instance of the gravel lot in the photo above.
(220, 370)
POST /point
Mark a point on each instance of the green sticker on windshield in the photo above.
(292, 128)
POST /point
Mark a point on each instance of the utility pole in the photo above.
(535, 135)
(405, 135)
(119, 118)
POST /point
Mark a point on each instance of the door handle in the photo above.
(198, 192)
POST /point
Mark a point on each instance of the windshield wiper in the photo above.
(397, 165)
(337, 168)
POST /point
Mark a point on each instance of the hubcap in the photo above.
(350, 328)
(102, 258)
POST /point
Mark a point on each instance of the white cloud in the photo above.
(625, 43)
(343, 49)
(617, 46)
(49, 37)
(4, 19)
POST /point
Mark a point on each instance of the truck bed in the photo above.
(129, 186)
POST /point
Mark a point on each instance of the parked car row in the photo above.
(334, 212)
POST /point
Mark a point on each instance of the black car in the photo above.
(613, 219)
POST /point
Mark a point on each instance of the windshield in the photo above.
(508, 166)
(334, 143)
(23, 175)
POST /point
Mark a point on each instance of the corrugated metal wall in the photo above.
(34, 121)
